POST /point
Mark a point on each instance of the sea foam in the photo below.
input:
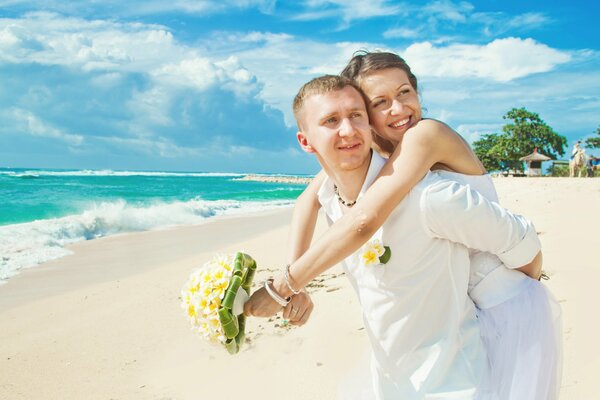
(109, 172)
(29, 244)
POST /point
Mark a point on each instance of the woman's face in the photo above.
(393, 102)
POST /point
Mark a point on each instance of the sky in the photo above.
(207, 85)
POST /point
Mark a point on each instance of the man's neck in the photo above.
(349, 182)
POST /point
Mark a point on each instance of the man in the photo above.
(420, 321)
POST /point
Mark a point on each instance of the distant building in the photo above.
(534, 163)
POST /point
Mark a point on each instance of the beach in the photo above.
(105, 322)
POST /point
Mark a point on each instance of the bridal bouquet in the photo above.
(214, 296)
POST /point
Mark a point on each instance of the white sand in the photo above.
(105, 323)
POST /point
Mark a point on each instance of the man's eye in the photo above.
(331, 120)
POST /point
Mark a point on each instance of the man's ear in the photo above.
(302, 139)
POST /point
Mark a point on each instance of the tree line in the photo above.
(523, 132)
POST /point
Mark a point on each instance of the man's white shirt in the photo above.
(421, 323)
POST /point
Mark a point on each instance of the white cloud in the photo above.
(473, 132)
(404, 33)
(34, 126)
(50, 39)
(142, 7)
(529, 20)
(116, 48)
(347, 10)
(448, 11)
(501, 60)
(283, 63)
(460, 21)
(155, 146)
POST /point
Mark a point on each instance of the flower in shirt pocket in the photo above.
(374, 253)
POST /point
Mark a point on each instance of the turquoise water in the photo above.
(41, 211)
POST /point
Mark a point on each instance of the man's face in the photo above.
(335, 127)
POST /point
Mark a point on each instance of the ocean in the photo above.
(43, 210)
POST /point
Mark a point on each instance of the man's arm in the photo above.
(459, 214)
(304, 218)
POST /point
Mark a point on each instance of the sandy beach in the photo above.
(105, 322)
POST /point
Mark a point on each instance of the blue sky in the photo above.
(207, 85)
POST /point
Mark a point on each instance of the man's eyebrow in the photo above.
(361, 109)
(327, 116)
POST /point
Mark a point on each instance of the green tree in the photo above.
(593, 142)
(483, 149)
(524, 132)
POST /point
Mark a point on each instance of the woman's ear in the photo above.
(303, 140)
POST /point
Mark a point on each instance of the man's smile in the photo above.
(350, 146)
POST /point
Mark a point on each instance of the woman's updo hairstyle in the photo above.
(364, 62)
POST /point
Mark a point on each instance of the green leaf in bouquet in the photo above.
(231, 292)
(232, 346)
(229, 323)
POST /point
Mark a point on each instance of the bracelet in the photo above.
(280, 300)
(286, 274)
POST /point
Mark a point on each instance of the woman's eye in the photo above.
(378, 103)
(404, 92)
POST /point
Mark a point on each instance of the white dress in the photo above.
(422, 326)
(519, 319)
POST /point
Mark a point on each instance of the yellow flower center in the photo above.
(370, 257)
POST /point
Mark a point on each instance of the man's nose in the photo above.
(346, 127)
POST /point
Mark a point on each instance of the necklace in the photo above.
(344, 202)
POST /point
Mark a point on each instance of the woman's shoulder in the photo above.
(431, 129)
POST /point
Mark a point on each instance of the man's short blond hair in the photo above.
(322, 85)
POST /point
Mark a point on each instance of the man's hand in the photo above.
(261, 304)
(299, 309)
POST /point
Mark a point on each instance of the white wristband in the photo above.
(280, 300)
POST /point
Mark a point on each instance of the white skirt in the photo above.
(523, 338)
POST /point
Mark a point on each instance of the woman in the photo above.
(516, 317)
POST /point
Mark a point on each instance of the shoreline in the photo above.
(275, 179)
(43, 244)
(27, 286)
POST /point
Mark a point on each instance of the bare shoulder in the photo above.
(433, 132)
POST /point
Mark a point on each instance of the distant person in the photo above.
(576, 148)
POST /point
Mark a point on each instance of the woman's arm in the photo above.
(534, 268)
(424, 145)
(304, 219)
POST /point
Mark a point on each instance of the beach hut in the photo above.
(534, 163)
